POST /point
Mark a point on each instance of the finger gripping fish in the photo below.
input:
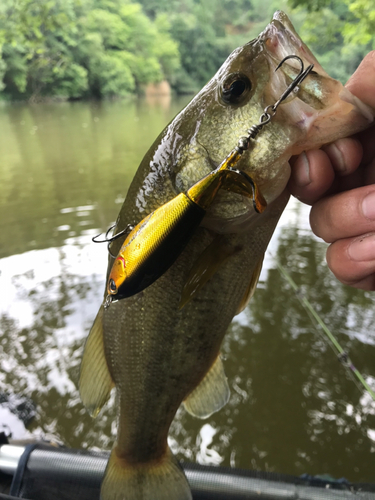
(156, 353)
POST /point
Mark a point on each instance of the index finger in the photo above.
(361, 83)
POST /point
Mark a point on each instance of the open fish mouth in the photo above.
(320, 98)
(281, 40)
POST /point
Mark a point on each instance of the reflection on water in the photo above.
(64, 170)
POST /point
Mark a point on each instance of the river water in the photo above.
(64, 172)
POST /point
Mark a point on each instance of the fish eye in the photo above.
(235, 88)
(112, 288)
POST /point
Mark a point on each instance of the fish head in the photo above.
(319, 111)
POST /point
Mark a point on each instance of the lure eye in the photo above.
(112, 288)
(235, 88)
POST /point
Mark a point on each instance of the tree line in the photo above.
(76, 49)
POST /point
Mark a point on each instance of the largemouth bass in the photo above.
(161, 346)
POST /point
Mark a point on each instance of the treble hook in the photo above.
(298, 79)
(95, 239)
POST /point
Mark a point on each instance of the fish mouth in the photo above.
(280, 40)
(320, 99)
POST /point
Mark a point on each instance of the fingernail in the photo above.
(336, 155)
(368, 206)
(302, 171)
(363, 249)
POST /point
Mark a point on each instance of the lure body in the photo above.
(153, 245)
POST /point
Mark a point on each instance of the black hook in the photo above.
(298, 79)
(106, 239)
(95, 239)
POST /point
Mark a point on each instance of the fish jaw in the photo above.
(323, 109)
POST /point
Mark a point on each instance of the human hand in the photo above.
(339, 182)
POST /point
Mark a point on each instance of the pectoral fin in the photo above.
(252, 286)
(211, 394)
(207, 264)
(95, 381)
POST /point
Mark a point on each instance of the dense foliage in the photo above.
(340, 32)
(83, 48)
(77, 48)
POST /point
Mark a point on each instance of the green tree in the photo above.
(37, 37)
(122, 49)
(362, 31)
(339, 32)
(77, 48)
(206, 32)
(357, 18)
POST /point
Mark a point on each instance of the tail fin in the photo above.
(158, 480)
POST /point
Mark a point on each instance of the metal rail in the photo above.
(206, 482)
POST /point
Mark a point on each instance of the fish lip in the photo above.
(280, 39)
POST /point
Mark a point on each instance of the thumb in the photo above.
(362, 82)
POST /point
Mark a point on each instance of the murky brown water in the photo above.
(64, 171)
